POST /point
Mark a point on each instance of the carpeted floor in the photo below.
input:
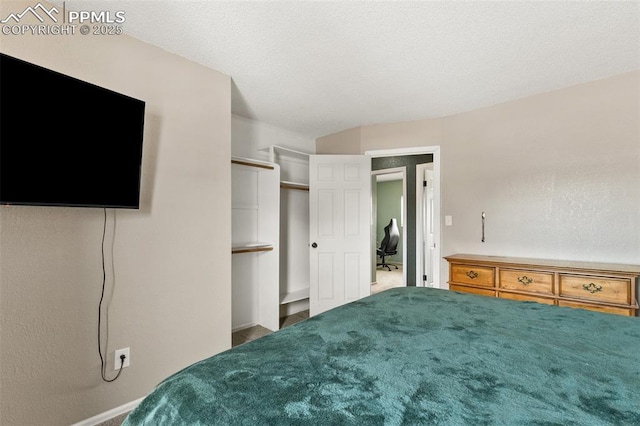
(116, 421)
(252, 333)
(385, 280)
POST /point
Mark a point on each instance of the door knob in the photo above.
(314, 245)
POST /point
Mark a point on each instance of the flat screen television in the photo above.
(67, 142)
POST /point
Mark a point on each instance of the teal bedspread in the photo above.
(417, 356)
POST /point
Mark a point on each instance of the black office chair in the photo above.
(389, 245)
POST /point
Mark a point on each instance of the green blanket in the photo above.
(417, 356)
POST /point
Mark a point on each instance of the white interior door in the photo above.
(429, 230)
(339, 230)
(426, 227)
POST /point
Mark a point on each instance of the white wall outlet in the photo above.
(116, 360)
(448, 220)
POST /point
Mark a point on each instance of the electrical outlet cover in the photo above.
(116, 358)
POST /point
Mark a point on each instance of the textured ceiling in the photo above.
(320, 67)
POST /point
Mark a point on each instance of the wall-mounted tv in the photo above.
(67, 142)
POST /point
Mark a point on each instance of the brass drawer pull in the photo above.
(524, 280)
(472, 274)
(592, 288)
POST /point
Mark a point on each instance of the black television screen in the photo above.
(67, 142)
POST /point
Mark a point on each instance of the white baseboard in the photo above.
(108, 415)
(243, 326)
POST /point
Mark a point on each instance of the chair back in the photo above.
(391, 236)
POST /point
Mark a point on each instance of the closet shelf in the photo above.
(251, 247)
(274, 150)
(294, 296)
(294, 185)
(252, 163)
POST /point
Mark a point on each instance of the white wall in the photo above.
(248, 136)
(168, 264)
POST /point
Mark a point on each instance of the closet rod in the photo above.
(250, 250)
(298, 186)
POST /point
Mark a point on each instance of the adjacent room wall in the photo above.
(557, 173)
(168, 264)
(388, 204)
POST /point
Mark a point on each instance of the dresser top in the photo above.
(546, 263)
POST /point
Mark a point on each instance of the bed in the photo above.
(417, 356)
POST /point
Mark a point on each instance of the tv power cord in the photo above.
(103, 365)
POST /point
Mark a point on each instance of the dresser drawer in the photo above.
(612, 290)
(526, 298)
(472, 290)
(601, 287)
(529, 281)
(474, 275)
(598, 308)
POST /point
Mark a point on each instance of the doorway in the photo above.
(389, 195)
(422, 254)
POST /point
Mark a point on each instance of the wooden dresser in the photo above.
(602, 287)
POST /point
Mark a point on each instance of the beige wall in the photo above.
(170, 300)
(345, 142)
(405, 134)
(558, 174)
